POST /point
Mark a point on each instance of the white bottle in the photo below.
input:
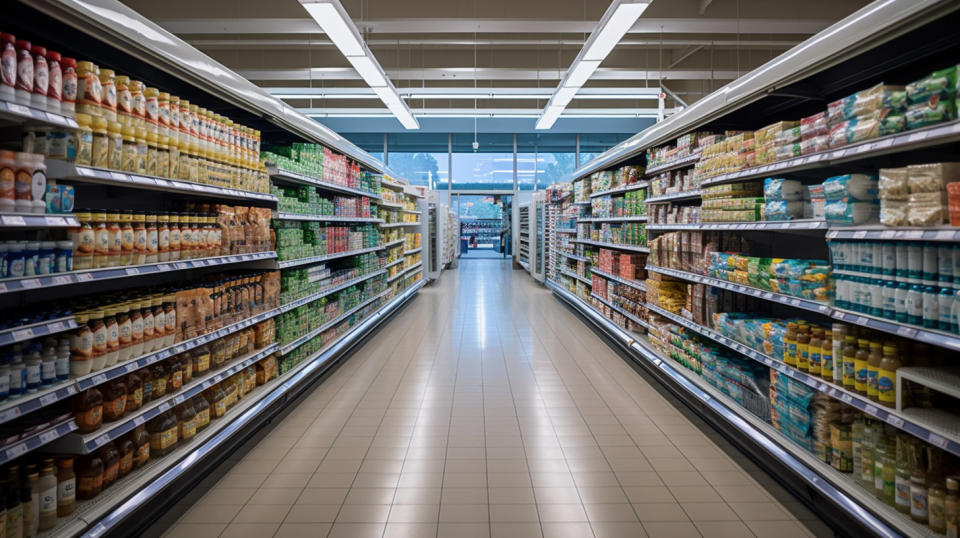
(944, 263)
(5, 377)
(902, 302)
(877, 247)
(62, 363)
(48, 364)
(876, 297)
(34, 364)
(914, 260)
(930, 262)
(889, 257)
(39, 184)
(902, 254)
(18, 374)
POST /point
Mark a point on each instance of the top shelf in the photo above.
(301, 179)
(27, 115)
(682, 162)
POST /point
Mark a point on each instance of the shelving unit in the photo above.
(861, 51)
(55, 306)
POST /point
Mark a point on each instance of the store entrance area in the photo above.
(488, 409)
(484, 225)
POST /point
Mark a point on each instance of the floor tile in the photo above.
(249, 530)
(301, 530)
(671, 529)
(618, 529)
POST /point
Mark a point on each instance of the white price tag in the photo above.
(16, 450)
(840, 315)
(164, 407)
(61, 280)
(19, 109)
(102, 378)
(895, 421)
(847, 398)
(887, 234)
(859, 234)
(945, 234)
(871, 409)
(861, 320)
(163, 268)
(119, 177)
(47, 436)
(30, 283)
(178, 400)
(84, 277)
(907, 332)
(131, 271)
(130, 367)
(936, 440)
(102, 440)
(22, 334)
(48, 399)
(795, 302)
(83, 171)
(138, 420)
(13, 220)
(915, 137)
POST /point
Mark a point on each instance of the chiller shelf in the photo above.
(412, 251)
(640, 218)
(394, 262)
(565, 230)
(33, 221)
(636, 284)
(410, 270)
(412, 212)
(317, 259)
(573, 256)
(384, 203)
(615, 246)
(22, 333)
(682, 162)
(624, 188)
(399, 224)
(685, 195)
(900, 420)
(575, 276)
(929, 336)
(36, 440)
(302, 179)
(286, 307)
(624, 313)
(28, 115)
(284, 350)
(393, 243)
(787, 225)
(925, 137)
(884, 233)
(11, 285)
(325, 218)
(67, 171)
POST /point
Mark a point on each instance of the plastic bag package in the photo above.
(927, 209)
(846, 213)
(931, 112)
(788, 135)
(784, 210)
(932, 177)
(879, 97)
(893, 211)
(798, 393)
(782, 189)
(787, 151)
(770, 132)
(855, 187)
(814, 126)
(893, 182)
(942, 83)
(815, 144)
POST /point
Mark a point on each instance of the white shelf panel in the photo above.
(575, 276)
(305, 338)
(615, 246)
(22, 333)
(788, 225)
(413, 251)
(686, 195)
(301, 179)
(682, 162)
(34, 221)
(28, 115)
(623, 312)
(400, 224)
(885, 233)
(637, 284)
(286, 307)
(325, 218)
(317, 259)
(642, 218)
(623, 188)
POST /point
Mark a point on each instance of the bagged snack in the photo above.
(878, 98)
(893, 182)
(849, 213)
(893, 211)
(858, 187)
(942, 83)
(814, 126)
(932, 177)
(782, 189)
(926, 209)
(783, 210)
(936, 110)
(815, 144)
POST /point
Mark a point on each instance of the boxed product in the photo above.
(852, 187)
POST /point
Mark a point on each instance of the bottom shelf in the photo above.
(110, 509)
(838, 488)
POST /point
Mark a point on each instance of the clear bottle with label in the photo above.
(163, 432)
(88, 410)
(139, 239)
(951, 507)
(174, 239)
(99, 329)
(115, 148)
(112, 329)
(101, 246)
(47, 495)
(887, 376)
(115, 238)
(163, 237)
(873, 370)
(100, 148)
(130, 150)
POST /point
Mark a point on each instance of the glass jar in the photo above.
(142, 150)
(125, 448)
(89, 477)
(128, 162)
(111, 464)
(138, 105)
(163, 237)
(87, 410)
(100, 144)
(114, 400)
(173, 145)
(152, 153)
(108, 89)
(81, 346)
(163, 157)
(66, 487)
(89, 89)
(126, 238)
(174, 239)
(84, 241)
(141, 447)
(84, 139)
(139, 239)
(115, 256)
(101, 246)
(113, 336)
(153, 239)
(134, 392)
(124, 101)
(136, 329)
(115, 152)
(163, 434)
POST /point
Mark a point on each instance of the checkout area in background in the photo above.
(484, 226)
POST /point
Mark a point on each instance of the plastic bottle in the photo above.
(14, 526)
(48, 363)
(931, 307)
(826, 356)
(849, 362)
(47, 489)
(952, 507)
(7, 180)
(5, 358)
(902, 480)
(944, 263)
(902, 292)
(915, 305)
(24, 87)
(62, 363)
(8, 80)
(876, 297)
(902, 252)
(68, 101)
(889, 300)
(873, 370)
(18, 374)
(888, 253)
(55, 86)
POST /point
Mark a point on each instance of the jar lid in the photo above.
(100, 123)
(84, 120)
(106, 74)
(86, 66)
(37, 50)
(99, 216)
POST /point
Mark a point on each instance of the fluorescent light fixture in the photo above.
(624, 17)
(616, 21)
(369, 71)
(325, 95)
(580, 73)
(387, 95)
(335, 25)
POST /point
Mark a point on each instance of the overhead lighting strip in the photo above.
(452, 94)
(615, 23)
(336, 23)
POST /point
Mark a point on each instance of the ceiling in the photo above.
(516, 51)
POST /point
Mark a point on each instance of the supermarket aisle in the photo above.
(487, 409)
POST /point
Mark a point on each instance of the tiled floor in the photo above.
(488, 409)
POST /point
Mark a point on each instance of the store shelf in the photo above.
(13, 408)
(884, 233)
(686, 195)
(682, 162)
(926, 137)
(284, 350)
(394, 262)
(28, 115)
(412, 212)
(787, 225)
(397, 275)
(636, 284)
(616, 246)
(11, 285)
(573, 256)
(393, 185)
(85, 444)
(942, 380)
(301, 179)
(22, 333)
(642, 218)
(624, 188)
(929, 336)
(621, 311)
(36, 440)
(410, 269)
(325, 218)
(399, 224)
(796, 302)
(33, 221)
(525, 265)
(286, 307)
(914, 425)
(393, 243)
(575, 276)
(565, 230)
(67, 171)
(384, 203)
(317, 259)
(413, 251)
(582, 202)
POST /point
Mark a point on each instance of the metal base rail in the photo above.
(840, 507)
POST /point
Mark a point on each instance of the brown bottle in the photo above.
(115, 400)
(141, 446)
(134, 392)
(89, 476)
(202, 409)
(200, 360)
(88, 410)
(161, 380)
(174, 374)
(146, 382)
(187, 422)
(163, 435)
(125, 447)
(66, 487)
(111, 464)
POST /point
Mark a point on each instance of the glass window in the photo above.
(592, 145)
(490, 166)
(372, 143)
(421, 158)
(544, 159)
